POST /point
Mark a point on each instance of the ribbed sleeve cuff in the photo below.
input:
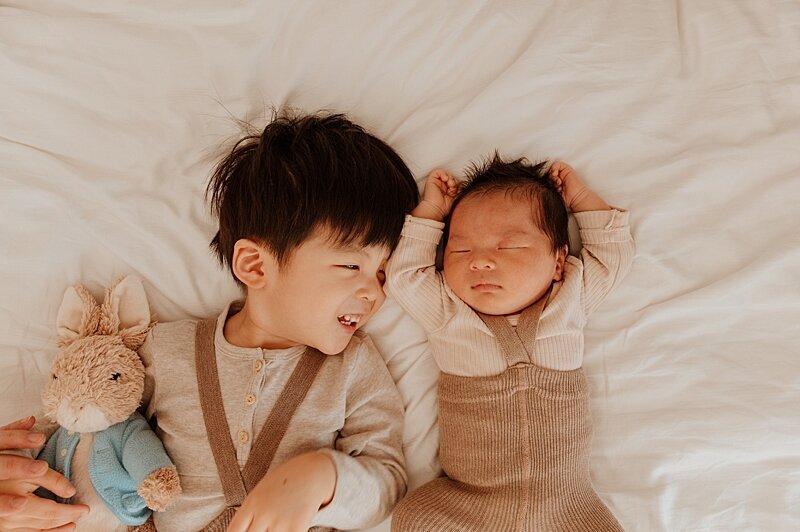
(600, 227)
(423, 229)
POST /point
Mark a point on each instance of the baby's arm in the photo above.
(608, 247)
(411, 276)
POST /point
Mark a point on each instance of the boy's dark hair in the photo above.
(522, 179)
(306, 172)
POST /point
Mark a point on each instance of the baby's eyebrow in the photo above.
(515, 232)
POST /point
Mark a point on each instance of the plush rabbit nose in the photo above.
(67, 413)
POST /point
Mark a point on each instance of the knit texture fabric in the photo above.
(515, 448)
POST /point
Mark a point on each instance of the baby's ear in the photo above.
(561, 258)
(77, 315)
(128, 302)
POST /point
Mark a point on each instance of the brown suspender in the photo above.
(235, 483)
(517, 344)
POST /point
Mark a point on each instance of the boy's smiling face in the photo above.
(497, 260)
(321, 295)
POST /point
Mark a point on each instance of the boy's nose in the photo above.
(369, 291)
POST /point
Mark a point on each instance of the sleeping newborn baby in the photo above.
(505, 320)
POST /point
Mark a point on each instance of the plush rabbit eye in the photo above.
(54, 376)
(115, 376)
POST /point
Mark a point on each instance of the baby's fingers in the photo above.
(442, 176)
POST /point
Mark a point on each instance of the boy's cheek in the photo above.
(375, 308)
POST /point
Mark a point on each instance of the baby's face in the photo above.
(497, 260)
(324, 293)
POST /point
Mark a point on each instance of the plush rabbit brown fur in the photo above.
(105, 447)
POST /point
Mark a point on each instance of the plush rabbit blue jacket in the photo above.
(121, 457)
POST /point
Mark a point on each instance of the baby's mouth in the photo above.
(350, 320)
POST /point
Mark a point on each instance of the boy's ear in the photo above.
(252, 264)
(561, 257)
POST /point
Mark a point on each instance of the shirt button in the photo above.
(258, 365)
(63, 452)
(243, 436)
(250, 399)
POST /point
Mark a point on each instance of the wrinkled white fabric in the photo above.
(686, 113)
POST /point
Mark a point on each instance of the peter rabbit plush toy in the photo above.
(103, 445)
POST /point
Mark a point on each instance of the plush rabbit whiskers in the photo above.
(104, 446)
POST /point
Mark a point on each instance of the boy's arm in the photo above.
(370, 470)
(608, 247)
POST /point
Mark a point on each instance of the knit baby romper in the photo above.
(515, 448)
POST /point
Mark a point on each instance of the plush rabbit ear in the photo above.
(74, 314)
(128, 302)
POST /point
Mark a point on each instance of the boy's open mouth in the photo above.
(349, 320)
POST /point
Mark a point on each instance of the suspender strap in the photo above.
(219, 435)
(278, 420)
(236, 484)
(517, 344)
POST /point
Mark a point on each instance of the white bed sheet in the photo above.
(686, 113)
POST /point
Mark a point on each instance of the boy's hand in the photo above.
(440, 190)
(577, 196)
(288, 497)
(20, 476)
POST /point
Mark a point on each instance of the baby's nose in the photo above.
(482, 263)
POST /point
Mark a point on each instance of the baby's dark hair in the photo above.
(308, 172)
(522, 179)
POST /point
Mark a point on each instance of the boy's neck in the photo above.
(242, 330)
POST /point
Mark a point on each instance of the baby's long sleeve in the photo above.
(607, 253)
(411, 276)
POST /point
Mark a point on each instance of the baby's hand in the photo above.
(441, 189)
(289, 496)
(568, 183)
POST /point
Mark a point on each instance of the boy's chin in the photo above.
(330, 347)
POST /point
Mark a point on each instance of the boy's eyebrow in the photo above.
(350, 248)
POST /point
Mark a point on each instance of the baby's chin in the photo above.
(492, 306)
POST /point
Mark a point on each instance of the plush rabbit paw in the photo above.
(160, 488)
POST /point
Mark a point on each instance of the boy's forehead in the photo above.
(328, 240)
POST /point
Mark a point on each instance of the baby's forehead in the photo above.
(497, 214)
